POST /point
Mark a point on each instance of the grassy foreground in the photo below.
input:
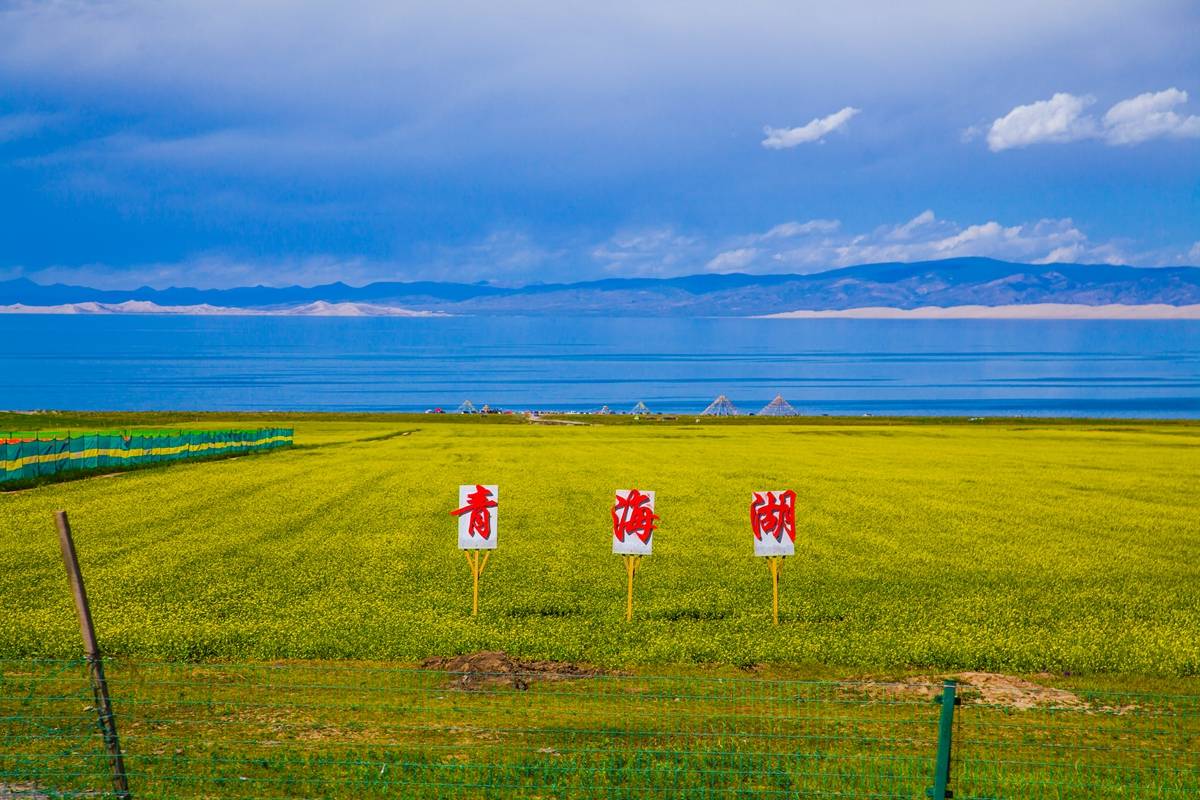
(1016, 547)
(364, 730)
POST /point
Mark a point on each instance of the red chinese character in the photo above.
(478, 503)
(774, 515)
(633, 515)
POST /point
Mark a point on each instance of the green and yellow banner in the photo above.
(31, 455)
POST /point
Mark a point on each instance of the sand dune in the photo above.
(1031, 311)
(317, 309)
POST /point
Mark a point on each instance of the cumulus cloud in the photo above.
(1194, 254)
(1062, 119)
(1149, 116)
(1059, 119)
(814, 131)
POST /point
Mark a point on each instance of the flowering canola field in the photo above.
(1016, 547)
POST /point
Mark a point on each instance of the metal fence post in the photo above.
(91, 649)
(941, 766)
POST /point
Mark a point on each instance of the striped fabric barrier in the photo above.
(32, 455)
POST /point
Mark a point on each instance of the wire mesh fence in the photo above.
(356, 730)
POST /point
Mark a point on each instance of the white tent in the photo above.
(778, 408)
(468, 408)
(640, 408)
(721, 407)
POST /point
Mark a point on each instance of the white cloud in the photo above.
(732, 259)
(926, 238)
(649, 252)
(218, 270)
(1061, 119)
(788, 230)
(510, 257)
(1149, 116)
(817, 245)
(502, 257)
(908, 229)
(814, 131)
(971, 133)
(1066, 253)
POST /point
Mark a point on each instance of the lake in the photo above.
(956, 367)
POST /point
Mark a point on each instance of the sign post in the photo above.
(477, 514)
(773, 521)
(633, 534)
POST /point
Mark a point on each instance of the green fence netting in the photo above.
(363, 731)
(28, 456)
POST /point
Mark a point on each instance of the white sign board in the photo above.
(773, 522)
(633, 522)
(477, 516)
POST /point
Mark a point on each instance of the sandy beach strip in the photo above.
(1030, 311)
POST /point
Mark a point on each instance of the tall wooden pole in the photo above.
(91, 650)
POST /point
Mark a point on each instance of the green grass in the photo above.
(353, 729)
(1016, 547)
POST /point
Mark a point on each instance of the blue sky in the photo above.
(217, 144)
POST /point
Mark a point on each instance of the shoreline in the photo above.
(1031, 311)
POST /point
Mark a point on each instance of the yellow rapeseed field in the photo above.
(1008, 546)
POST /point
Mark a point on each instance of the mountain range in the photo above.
(948, 282)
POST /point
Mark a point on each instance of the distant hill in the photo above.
(950, 282)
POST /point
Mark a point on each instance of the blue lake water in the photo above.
(960, 367)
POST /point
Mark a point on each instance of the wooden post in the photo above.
(776, 562)
(91, 650)
(476, 566)
(475, 596)
(631, 564)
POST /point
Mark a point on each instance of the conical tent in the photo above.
(721, 407)
(778, 408)
(640, 408)
(604, 410)
(467, 408)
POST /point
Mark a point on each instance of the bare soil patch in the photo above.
(976, 688)
(24, 791)
(496, 668)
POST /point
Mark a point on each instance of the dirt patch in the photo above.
(975, 688)
(1006, 690)
(497, 668)
(24, 791)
